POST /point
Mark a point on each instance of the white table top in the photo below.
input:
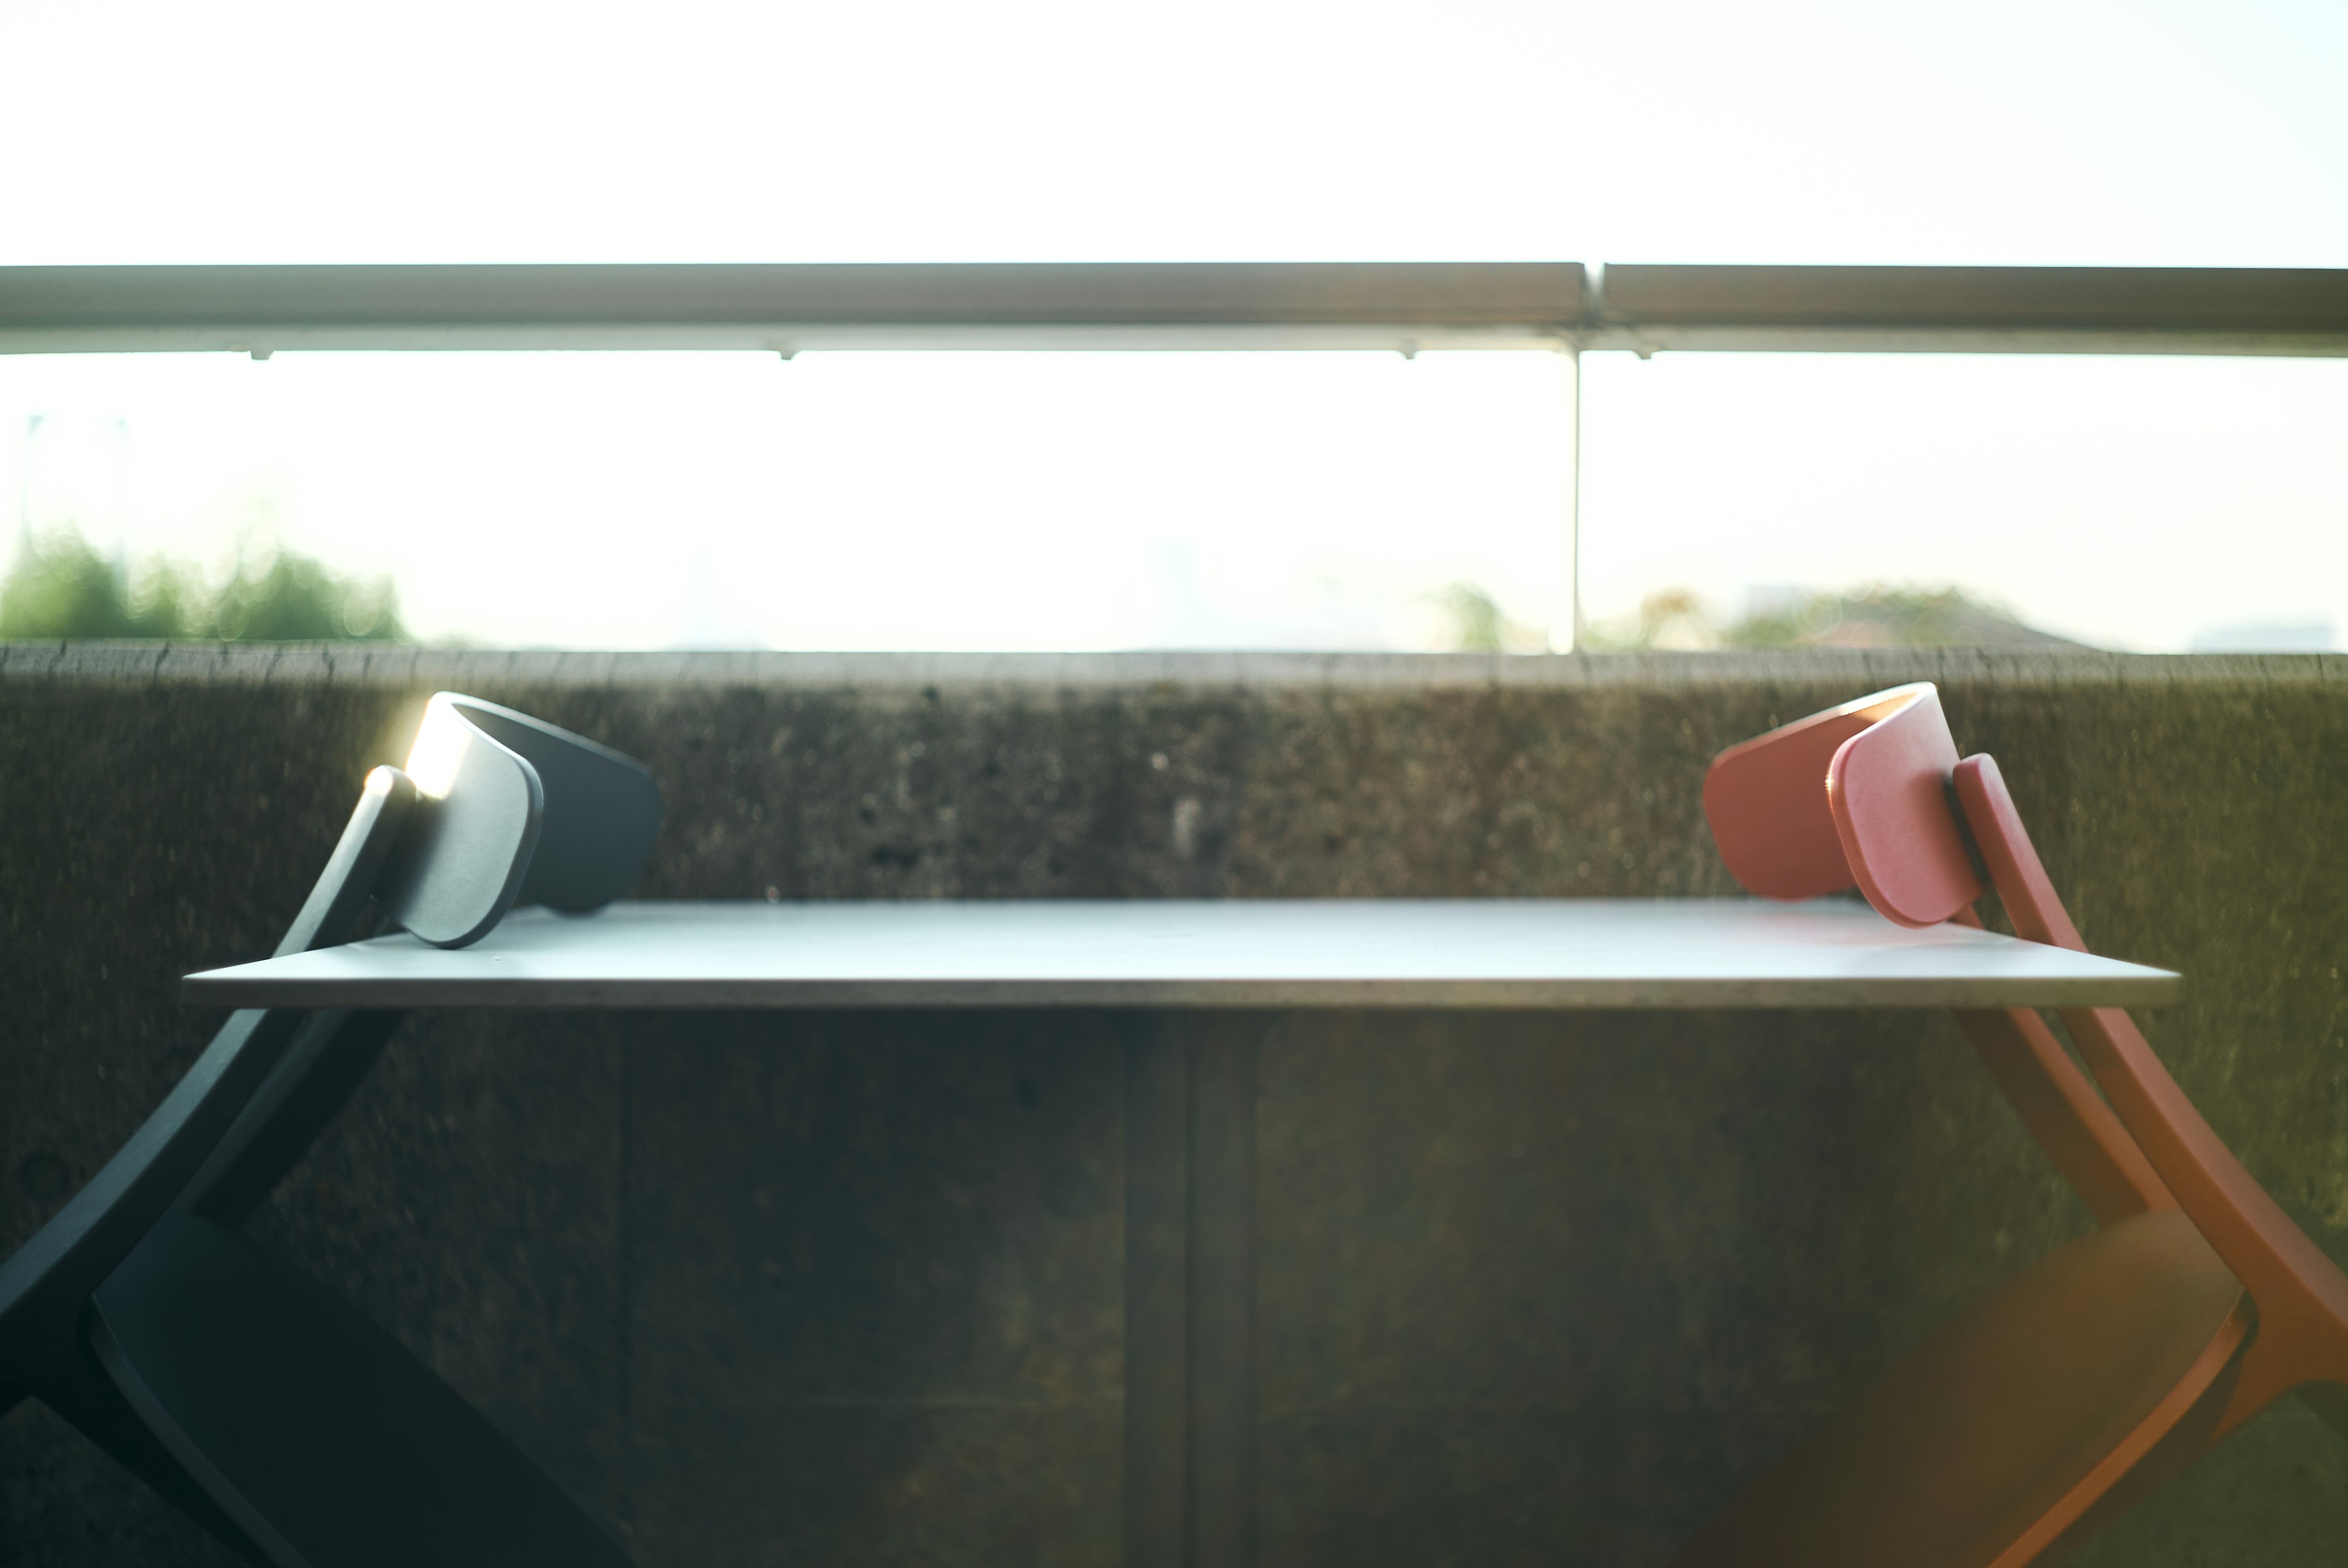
(1539, 953)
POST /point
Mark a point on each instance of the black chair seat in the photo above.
(326, 1441)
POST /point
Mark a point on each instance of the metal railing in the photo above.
(1560, 307)
(1401, 306)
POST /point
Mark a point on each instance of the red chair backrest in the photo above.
(1854, 796)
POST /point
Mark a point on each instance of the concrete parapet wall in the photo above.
(845, 1287)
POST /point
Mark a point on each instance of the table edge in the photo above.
(2144, 988)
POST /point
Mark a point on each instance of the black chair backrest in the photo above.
(514, 811)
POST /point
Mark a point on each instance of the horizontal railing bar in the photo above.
(1399, 307)
(1974, 310)
(1732, 339)
(2207, 300)
(790, 338)
(781, 306)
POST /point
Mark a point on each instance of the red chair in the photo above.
(2104, 1369)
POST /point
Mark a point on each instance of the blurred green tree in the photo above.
(1479, 625)
(61, 587)
(1876, 616)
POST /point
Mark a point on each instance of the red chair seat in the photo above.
(2006, 1422)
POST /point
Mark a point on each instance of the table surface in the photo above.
(1232, 953)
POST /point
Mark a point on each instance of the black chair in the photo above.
(276, 1415)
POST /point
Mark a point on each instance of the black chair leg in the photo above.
(319, 1071)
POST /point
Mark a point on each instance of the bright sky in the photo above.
(1109, 500)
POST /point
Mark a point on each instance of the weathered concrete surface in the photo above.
(844, 1288)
